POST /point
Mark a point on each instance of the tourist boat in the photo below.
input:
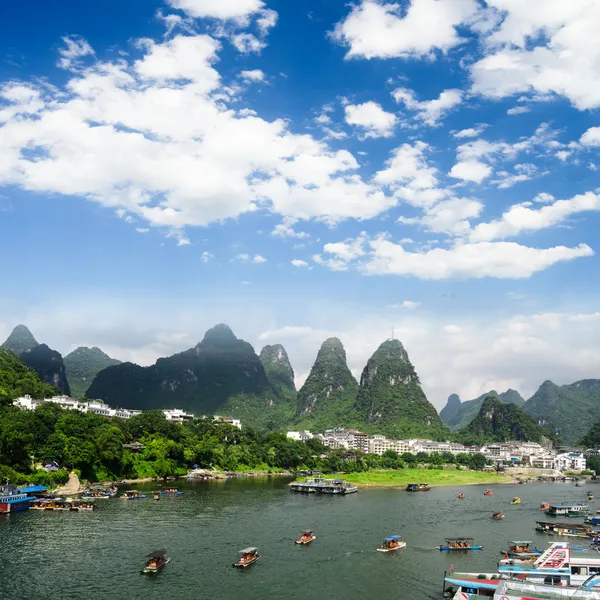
(522, 590)
(248, 557)
(516, 501)
(155, 561)
(82, 505)
(418, 487)
(564, 529)
(567, 510)
(156, 496)
(391, 543)
(461, 496)
(497, 516)
(469, 586)
(170, 492)
(132, 495)
(460, 544)
(306, 537)
(319, 485)
(11, 500)
(307, 487)
(544, 506)
(488, 493)
(520, 548)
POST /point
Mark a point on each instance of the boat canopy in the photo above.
(478, 584)
(392, 538)
(307, 531)
(521, 542)
(566, 506)
(248, 550)
(32, 489)
(459, 539)
(156, 554)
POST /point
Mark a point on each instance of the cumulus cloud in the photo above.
(450, 216)
(221, 9)
(258, 259)
(255, 75)
(75, 48)
(429, 112)
(470, 170)
(378, 29)
(591, 137)
(371, 119)
(470, 132)
(299, 263)
(406, 304)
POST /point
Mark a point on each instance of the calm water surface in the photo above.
(99, 555)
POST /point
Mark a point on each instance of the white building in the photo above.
(96, 407)
(378, 444)
(234, 422)
(571, 461)
(300, 436)
(429, 446)
(177, 415)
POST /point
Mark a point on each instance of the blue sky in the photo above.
(306, 169)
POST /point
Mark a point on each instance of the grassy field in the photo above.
(446, 477)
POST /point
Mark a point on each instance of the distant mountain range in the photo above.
(223, 374)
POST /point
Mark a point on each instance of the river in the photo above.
(99, 555)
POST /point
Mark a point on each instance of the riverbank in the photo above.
(435, 478)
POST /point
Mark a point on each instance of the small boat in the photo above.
(516, 501)
(544, 506)
(497, 516)
(418, 487)
(306, 538)
(461, 496)
(156, 496)
(170, 492)
(133, 495)
(155, 561)
(590, 497)
(488, 493)
(248, 557)
(391, 543)
(521, 548)
(460, 544)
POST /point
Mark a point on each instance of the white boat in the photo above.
(518, 590)
(392, 543)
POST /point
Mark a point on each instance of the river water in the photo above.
(99, 555)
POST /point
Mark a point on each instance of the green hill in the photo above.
(83, 364)
(17, 380)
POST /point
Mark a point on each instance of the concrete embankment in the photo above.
(72, 487)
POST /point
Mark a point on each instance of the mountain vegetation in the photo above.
(82, 365)
(390, 397)
(500, 422)
(327, 398)
(47, 363)
(592, 438)
(17, 380)
(458, 415)
(566, 410)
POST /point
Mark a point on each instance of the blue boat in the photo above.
(170, 492)
(13, 500)
(133, 495)
(459, 544)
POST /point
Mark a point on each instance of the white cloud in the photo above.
(502, 260)
(518, 110)
(591, 137)
(75, 48)
(206, 256)
(523, 172)
(266, 21)
(253, 75)
(543, 198)
(348, 250)
(290, 331)
(450, 216)
(286, 229)
(470, 170)
(471, 132)
(543, 47)
(142, 229)
(429, 111)
(371, 119)
(299, 263)
(258, 259)
(242, 257)
(218, 9)
(406, 304)
(247, 43)
(518, 218)
(375, 29)
(452, 329)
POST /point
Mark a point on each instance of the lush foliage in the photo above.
(326, 399)
(592, 438)
(566, 410)
(17, 380)
(83, 364)
(49, 366)
(390, 396)
(499, 422)
(458, 416)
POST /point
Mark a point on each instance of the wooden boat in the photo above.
(544, 506)
(248, 557)
(488, 493)
(170, 492)
(461, 496)
(418, 487)
(133, 495)
(516, 501)
(459, 544)
(564, 529)
(306, 538)
(497, 516)
(155, 561)
(391, 543)
(519, 548)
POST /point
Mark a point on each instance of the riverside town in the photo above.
(300, 300)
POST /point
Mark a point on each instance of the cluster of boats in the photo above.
(62, 504)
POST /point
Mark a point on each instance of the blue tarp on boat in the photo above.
(392, 538)
(33, 489)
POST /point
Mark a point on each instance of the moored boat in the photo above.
(521, 590)
(567, 510)
(460, 544)
(11, 500)
(155, 561)
(133, 495)
(418, 487)
(391, 543)
(306, 537)
(170, 492)
(248, 557)
(564, 529)
(516, 500)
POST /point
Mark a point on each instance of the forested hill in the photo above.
(500, 422)
(458, 415)
(83, 364)
(566, 410)
(17, 380)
